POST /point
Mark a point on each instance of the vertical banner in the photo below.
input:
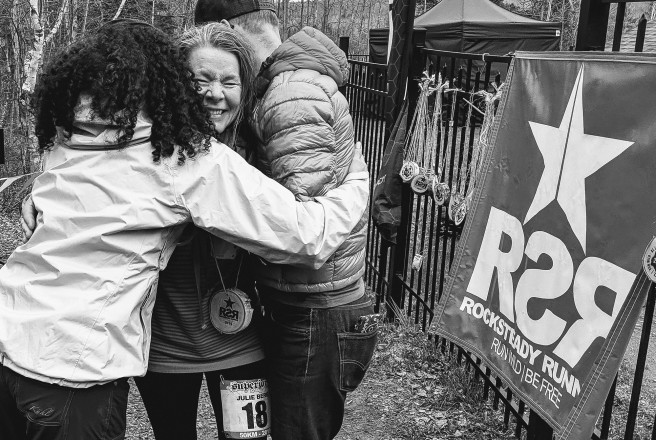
(546, 285)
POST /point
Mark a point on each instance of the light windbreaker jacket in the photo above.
(76, 299)
(305, 134)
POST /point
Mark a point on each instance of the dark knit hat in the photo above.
(217, 10)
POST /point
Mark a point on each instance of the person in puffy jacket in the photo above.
(128, 160)
(305, 141)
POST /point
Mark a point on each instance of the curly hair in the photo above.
(220, 36)
(125, 67)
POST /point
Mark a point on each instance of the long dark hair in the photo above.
(125, 67)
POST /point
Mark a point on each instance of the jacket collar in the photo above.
(93, 133)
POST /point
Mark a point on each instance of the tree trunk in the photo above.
(285, 13)
(30, 71)
(120, 9)
(549, 6)
(326, 12)
(73, 15)
(60, 18)
(339, 17)
(86, 14)
(35, 56)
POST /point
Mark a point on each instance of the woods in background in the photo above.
(32, 30)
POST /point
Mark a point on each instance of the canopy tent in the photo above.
(475, 26)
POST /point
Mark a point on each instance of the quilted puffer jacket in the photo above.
(305, 135)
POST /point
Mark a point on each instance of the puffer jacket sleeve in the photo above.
(306, 141)
(234, 201)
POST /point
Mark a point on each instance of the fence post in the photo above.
(2, 146)
(344, 45)
(619, 26)
(537, 428)
(640, 36)
(399, 256)
(593, 23)
(403, 16)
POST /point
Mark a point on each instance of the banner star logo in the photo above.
(229, 303)
(570, 156)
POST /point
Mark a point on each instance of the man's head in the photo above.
(253, 16)
(256, 19)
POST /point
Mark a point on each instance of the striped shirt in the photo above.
(180, 344)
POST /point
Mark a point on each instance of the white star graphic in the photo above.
(570, 155)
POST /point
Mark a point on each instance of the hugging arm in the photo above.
(28, 217)
(239, 204)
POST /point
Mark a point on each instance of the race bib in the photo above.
(246, 412)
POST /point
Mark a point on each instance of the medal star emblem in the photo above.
(229, 303)
(570, 155)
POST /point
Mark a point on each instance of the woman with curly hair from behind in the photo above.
(128, 159)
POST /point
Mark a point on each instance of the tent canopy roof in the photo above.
(475, 26)
(470, 11)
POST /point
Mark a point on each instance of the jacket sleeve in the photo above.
(234, 201)
(298, 128)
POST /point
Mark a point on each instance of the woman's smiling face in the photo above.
(217, 72)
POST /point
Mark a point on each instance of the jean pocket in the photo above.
(297, 321)
(355, 353)
(43, 404)
(117, 406)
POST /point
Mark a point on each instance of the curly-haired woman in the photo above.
(131, 161)
(184, 347)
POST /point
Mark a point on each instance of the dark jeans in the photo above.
(314, 359)
(171, 399)
(34, 410)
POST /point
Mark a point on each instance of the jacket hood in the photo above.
(306, 49)
(91, 132)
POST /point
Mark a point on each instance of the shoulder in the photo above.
(304, 79)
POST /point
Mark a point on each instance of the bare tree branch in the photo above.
(120, 9)
(58, 22)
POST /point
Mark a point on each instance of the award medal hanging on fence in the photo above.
(416, 137)
(458, 204)
(439, 188)
(420, 184)
(481, 145)
(246, 409)
(418, 261)
(649, 260)
(230, 308)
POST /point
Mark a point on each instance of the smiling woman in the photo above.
(185, 347)
(224, 67)
(220, 84)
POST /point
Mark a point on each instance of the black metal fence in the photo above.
(426, 233)
(366, 93)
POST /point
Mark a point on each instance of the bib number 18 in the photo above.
(261, 418)
(246, 412)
